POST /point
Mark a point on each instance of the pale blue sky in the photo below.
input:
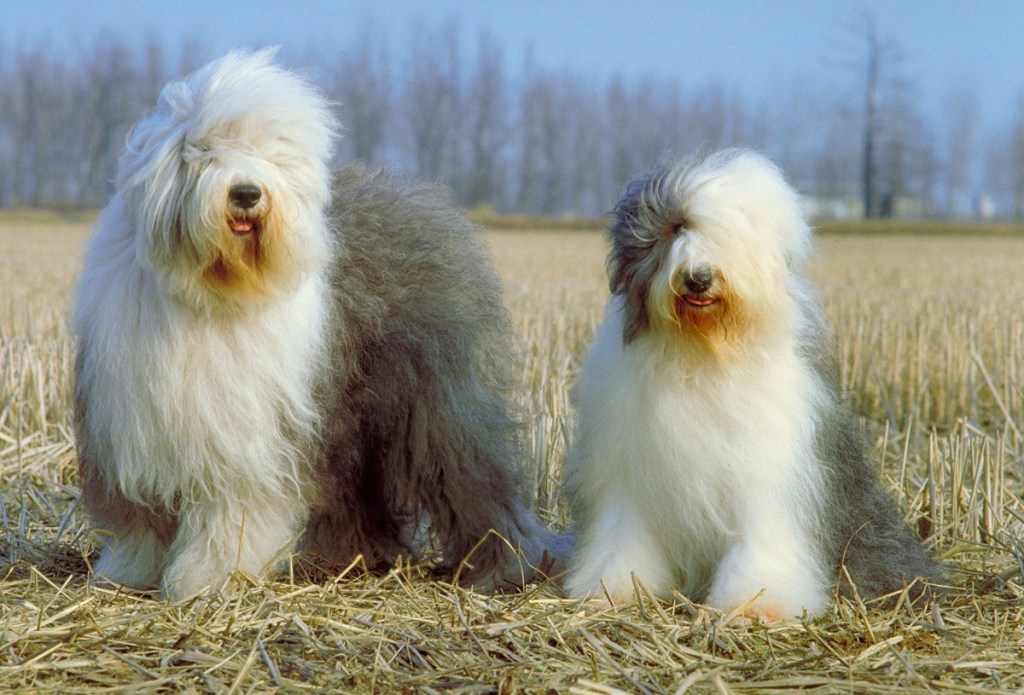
(752, 46)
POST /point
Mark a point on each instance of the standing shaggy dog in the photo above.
(266, 354)
(712, 454)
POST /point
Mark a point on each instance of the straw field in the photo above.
(930, 331)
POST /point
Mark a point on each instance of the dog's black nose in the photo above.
(245, 195)
(698, 280)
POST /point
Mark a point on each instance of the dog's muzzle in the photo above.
(243, 198)
(698, 283)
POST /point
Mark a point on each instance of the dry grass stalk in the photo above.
(933, 354)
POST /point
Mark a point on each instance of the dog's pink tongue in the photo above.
(699, 301)
(240, 226)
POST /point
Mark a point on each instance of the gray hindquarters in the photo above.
(420, 427)
(863, 530)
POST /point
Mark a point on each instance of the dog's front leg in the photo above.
(774, 560)
(618, 544)
(131, 557)
(215, 540)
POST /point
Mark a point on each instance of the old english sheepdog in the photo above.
(712, 454)
(268, 354)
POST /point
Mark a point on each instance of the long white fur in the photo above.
(693, 466)
(201, 394)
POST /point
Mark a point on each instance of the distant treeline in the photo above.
(531, 141)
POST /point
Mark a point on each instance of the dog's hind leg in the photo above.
(465, 448)
(358, 515)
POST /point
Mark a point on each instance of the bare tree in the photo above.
(1004, 164)
(6, 134)
(907, 164)
(590, 189)
(873, 67)
(110, 105)
(896, 159)
(543, 128)
(798, 114)
(361, 82)
(1013, 161)
(961, 145)
(35, 107)
(430, 98)
(836, 156)
(192, 56)
(636, 135)
(718, 118)
(153, 74)
(872, 56)
(541, 141)
(648, 122)
(485, 110)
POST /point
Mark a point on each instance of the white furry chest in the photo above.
(194, 406)
(696, 445)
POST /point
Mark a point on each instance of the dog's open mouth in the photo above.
(699, 300)
(243, 225)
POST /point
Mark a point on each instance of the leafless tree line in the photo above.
(531, 139)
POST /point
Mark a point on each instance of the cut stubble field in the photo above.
(930, 334)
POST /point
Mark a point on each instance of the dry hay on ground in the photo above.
(930, 334)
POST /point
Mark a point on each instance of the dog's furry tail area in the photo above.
(885, 556)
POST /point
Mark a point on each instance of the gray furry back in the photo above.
(863, 527)
(419, 423)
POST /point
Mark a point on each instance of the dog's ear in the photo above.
(630, 262)
(623, 256)
(636, 320)
(624, 280)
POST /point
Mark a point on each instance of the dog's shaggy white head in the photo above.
(227, 180)
(703, 250)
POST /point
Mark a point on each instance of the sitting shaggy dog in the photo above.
(268, 355)
(712, 453)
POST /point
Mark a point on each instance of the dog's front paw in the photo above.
(116, 572)
(133, 560)
(766, 614)
(190, 574)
